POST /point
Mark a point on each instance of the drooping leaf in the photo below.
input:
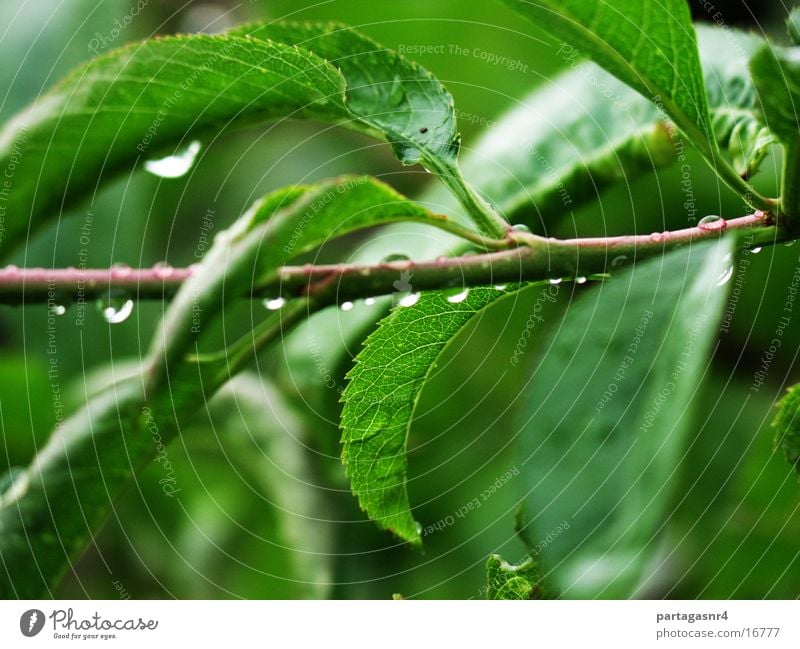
(606, 416)
(55, 505)
(787, 424)
(384, 387)
(400, 99)
(395, 97)
(508, 581)
(652, 47)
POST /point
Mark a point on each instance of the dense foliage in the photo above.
(309, 346)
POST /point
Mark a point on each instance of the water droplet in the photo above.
(395, 257)
(408, 155)
(456, 296)
(657, 237)
(581, 280)
(618, 261)
(57, 309)
(555, 281)
(346, 306)
(521, 227)
(121, 270)
(755, 250)
(115, 308)
(500, 287)
(727, 273)
(274, 304)
(163, 270)
(725, 276)
(369, 301)
(176, 165)
(410, 300)
(397, 92)
(712, 223)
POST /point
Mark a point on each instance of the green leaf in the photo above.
(133, 103)
(776, 73)
(51, 509)
(508, 581)
(787, 423)
(384, 387)
(606, 416)
(652, 47)
(566, 143)
(735, 116)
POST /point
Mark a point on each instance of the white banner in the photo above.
(399, 624)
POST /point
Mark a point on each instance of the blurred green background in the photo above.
(263, 509)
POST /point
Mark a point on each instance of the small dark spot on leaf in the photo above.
(424, 129)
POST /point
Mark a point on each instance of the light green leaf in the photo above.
(652, 47)
(384, 387)
(508, 581)
(787, 423)
(565, 144)
(606, 416)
